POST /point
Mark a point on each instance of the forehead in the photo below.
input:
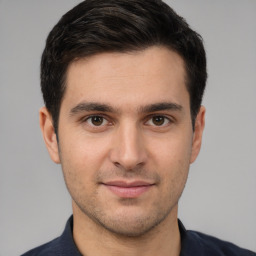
(152, 75)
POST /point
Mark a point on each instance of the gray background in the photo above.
(219, 198)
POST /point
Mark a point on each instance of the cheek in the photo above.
(83, 149)
(172, 159)
(78, 171)
(81, 158)
(172, 152)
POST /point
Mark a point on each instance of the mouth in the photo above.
(125, 189)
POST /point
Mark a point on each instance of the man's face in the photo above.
(126, 139)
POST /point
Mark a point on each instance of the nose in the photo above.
(128, 148)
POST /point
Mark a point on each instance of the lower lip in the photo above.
(128, 192)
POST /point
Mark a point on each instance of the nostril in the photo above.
(129, 164)
(117, 164)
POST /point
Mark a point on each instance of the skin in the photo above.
(125, 119)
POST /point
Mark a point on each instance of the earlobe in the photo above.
(198, 133)
(49, 135)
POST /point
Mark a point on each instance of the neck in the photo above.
(93, 239)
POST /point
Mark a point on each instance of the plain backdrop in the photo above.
(220, 196)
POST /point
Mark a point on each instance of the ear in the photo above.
(49, 135)
(198, 133)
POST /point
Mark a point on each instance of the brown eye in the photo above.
(158, 120)
(96, 120)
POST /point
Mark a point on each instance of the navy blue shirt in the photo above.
(192, 244)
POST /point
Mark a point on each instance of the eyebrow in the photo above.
(93, 106)
(161, 106)
(90, 106)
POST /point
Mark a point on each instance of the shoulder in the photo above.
(214, 246)
(199, 244)
(63, 245)
(50, 249)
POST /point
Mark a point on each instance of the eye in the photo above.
(158, 121)
(96, 121)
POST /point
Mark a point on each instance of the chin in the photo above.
(131, 225)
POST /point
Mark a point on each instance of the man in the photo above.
(123, 83)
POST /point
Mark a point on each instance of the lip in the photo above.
(126, 189)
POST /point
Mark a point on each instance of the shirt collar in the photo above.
(67, 243)
(190, 244)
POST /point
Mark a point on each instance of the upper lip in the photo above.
(127, 184)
